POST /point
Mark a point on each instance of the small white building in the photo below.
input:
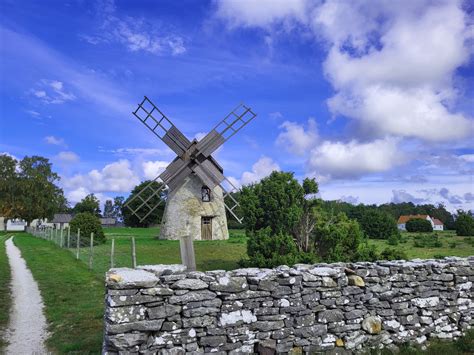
(436, 224)
(16, 225)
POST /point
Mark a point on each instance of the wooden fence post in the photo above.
(112, 251)
(78, 243)
(187, 252)
(134, 255)
(68, 237)
(91, 251)
(62, 238)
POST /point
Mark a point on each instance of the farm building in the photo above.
(435, 223)
(61, 220)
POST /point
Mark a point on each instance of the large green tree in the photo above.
(28, 188)
(89, 204)
(378, 224)
(464, 224)
(154, 217)
(277, 201)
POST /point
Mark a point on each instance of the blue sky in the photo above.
(375, 100)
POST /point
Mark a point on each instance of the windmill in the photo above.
(198, 191)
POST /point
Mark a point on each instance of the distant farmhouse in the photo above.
(435, 223)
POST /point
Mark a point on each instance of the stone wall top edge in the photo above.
(149, 275)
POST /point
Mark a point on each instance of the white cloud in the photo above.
(54, 140)
(67, 157)
(33, 113)
(151, 169)
(52, 92)
(394, 85)
(262, 168)
(263, 13)
(114, 177)
(295, 139)
(400, 196)
(467, 158)
(136, 34)
(352, 159)
(138, 151)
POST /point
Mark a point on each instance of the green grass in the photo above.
(210, 255)
(461, 346)
(73, 296)
(5, 299)
(464, 246)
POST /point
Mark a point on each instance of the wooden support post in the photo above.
(134, 255)
(61, 244)
(112, 252)
(187, 252)
(91, 253)
(68, 237)
(78, 243)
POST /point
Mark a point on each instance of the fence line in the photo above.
(86, 248)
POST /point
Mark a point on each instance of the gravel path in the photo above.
(27, 329)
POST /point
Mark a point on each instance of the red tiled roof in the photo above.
(405, 219)
(437, 222)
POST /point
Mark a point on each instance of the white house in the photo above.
(435, 223)
(16, 225)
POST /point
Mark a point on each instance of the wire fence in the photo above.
(98, 256)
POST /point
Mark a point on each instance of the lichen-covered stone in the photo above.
(372, 325)
(305, 308)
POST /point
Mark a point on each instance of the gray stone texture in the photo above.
(184, 209)
(307, 308)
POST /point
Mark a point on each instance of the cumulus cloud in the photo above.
(263, 13)
(452, 199)
(114, 177)
(51, 92)
(352, 159)
(296, 139)
(151, 169)
(262, 168)
(350, 199)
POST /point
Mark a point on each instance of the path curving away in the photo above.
(26, 333)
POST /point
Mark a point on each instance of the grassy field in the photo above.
(5, 299)
(73, 296)
(423, 246)
(210, 255)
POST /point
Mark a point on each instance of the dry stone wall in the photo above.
(310, 308)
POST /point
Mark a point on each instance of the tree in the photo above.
(117, 208)
(89, 204)
(131, 219)
(108, 209)
(305, 226)
(464, 224)
(28, 189)
(277, 201)
(266, 249)
(418, 225)
(337, 238)
(378, 225)
(10, 195)
(88, 223)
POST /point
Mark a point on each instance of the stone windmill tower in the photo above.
(198, 191)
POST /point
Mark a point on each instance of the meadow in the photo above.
(74, 295)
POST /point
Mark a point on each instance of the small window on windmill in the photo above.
(206, 194)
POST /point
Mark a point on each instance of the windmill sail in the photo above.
(144, 198)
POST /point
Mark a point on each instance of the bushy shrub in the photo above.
(267, 250)
(452, 245)
(378, 225)
(367, 252)
(393, 254)
(418, 225)
(393, 239)
(88, 223)
(464, 225)
(427, 241)
(337, 238)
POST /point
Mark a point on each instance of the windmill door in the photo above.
(206, 228)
